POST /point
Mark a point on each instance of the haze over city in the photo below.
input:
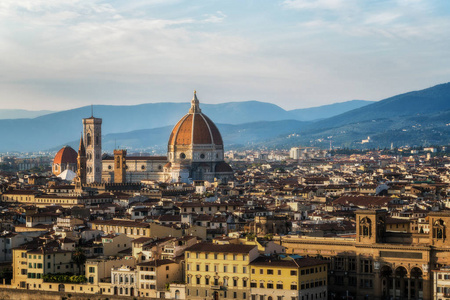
(61, 54)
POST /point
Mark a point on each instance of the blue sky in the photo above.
(60, 54)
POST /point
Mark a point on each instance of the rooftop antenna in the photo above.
(115, 145)
(92, 110)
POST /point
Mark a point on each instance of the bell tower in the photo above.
(120, 166)
(439, 229)
(370, 226)
(92, 133)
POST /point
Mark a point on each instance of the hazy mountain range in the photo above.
(57, 128)
(414, 118)
(22, 113)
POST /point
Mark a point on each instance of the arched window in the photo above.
(88, 139)
(439, 229)
(365, 227)
(96, 140)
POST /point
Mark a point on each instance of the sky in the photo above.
(62, 54)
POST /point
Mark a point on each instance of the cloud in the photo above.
(316, 4)
(214, 18)
(91, 49)
(382, 18)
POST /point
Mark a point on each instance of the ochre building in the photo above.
(379, 264)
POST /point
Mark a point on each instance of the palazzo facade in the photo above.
(378, 264)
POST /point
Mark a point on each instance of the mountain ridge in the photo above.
(46, 131)
(416, 118)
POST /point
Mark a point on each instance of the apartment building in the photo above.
(216, 271)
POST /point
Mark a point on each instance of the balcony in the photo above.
(215, 287)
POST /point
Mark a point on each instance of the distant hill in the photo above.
(417, 119)
(430, 100)
(53, 129)
(234, 136)
(414, 118)
(22, 113)
(328, 111)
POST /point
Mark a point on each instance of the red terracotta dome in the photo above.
(66, 155)
(195, 128)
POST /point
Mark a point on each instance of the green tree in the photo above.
(79, 258)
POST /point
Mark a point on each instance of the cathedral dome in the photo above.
(66, 156)
(195, 128)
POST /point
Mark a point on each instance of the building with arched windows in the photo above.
(378, 263)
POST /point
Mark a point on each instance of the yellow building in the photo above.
(98, 270)
(40, 199)
(216, 271)
(135, 229)
(112, 244)
(264, 246)
(29, 266)
(20, 267)
(288, 278)
(154, 275)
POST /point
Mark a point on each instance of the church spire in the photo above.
(195, 105)
(80, 180)
(81, 149)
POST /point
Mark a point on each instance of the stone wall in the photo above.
(18, 294)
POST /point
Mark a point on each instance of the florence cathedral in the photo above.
(195, 152)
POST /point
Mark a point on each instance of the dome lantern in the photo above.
(195, 105)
